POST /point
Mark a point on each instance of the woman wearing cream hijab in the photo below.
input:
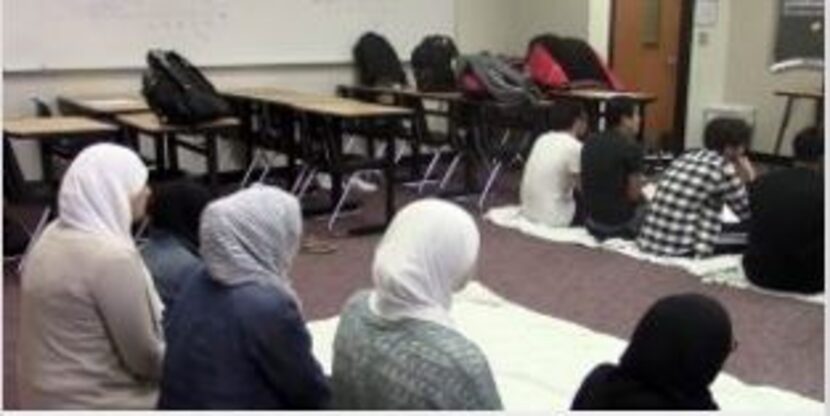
(396, 347)
(90, 335)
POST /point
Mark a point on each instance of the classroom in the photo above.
(466, 205)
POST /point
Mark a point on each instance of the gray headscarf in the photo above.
(252, 236)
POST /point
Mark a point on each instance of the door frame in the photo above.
(684, 60)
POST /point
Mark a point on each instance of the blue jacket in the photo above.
(170, 263)
(239, 347)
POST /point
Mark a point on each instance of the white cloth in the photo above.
(95, 197)
(549, 179)
(252, 235)
(539, 361)
(723, 269)
(426, 255)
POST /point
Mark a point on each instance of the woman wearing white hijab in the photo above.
(396, 347)
(236, 338)
(90, 334)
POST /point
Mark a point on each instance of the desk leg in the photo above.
(389, 169)
(172, 144)
(641, 129)
(334, 141)
(212, 162)
(158, 145)
(784, 123)
(47, 166)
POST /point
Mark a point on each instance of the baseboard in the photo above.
(771, 159)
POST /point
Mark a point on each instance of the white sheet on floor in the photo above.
(724, 270)
(539, 362)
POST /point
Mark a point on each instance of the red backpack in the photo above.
(565, 63)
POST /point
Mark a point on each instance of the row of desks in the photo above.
(125, 118)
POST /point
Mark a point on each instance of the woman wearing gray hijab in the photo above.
(237, 339)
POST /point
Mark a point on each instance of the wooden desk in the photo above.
(102, 107)
(167, 134)
(792, 96)
(329, 112)
(596, 100)
(45, 130)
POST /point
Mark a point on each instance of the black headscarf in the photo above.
(677, 350)
(176, 208)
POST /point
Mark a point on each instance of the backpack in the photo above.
(484, 76)
(432, 63)
(377, 62)
(555, 62)
(178, 92)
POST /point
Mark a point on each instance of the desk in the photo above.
(102, 107)
(596, 100)
(792, 96)
(149, 124)
(47, 129)
(329, 111)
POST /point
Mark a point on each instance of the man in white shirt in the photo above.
(552, 171)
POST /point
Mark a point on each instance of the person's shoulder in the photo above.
(260, 299)
(462, 352)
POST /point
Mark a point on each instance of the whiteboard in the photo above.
(89, 34)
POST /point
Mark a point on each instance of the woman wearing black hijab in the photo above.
(677, 350)
(172, 251)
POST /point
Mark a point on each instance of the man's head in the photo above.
(568, 116)
(808, 147)
(621, 113)
(727, 136)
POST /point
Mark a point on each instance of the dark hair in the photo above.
(619, 107)
(726, 132)
(564, 114)
(808, 145)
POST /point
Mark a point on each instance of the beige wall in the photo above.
(563, 17)
(749, 81)
(502, 26)
(732, 67)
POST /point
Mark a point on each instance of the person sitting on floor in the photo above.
(786, 232)
(236, 338)
(684, 216)
(90, 333)
(551, 174)
(675, 353)
(172, 250)
(396, 347)
(612, 174)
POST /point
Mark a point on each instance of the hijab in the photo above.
(97, 188)
(177, 207)
(252, 236)
(95, 197)
(675, 354)
(426, 255)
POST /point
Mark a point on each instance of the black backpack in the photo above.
(484, 76)
(377, 62)
(433, 63)
(178, 92)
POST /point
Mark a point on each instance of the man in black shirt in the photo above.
(612, 174)
(786, 236)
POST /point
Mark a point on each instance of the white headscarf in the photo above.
(426, 255)
(96, 190)
(252, 235)
(95, 197)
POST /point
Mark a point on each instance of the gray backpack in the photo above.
(486, 76)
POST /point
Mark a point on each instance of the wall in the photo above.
(500, 26)
(733, 68)
(563, 17)
(749, 81)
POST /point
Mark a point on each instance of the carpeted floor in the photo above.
(781, 341)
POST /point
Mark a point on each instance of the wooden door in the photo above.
(645, 55)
